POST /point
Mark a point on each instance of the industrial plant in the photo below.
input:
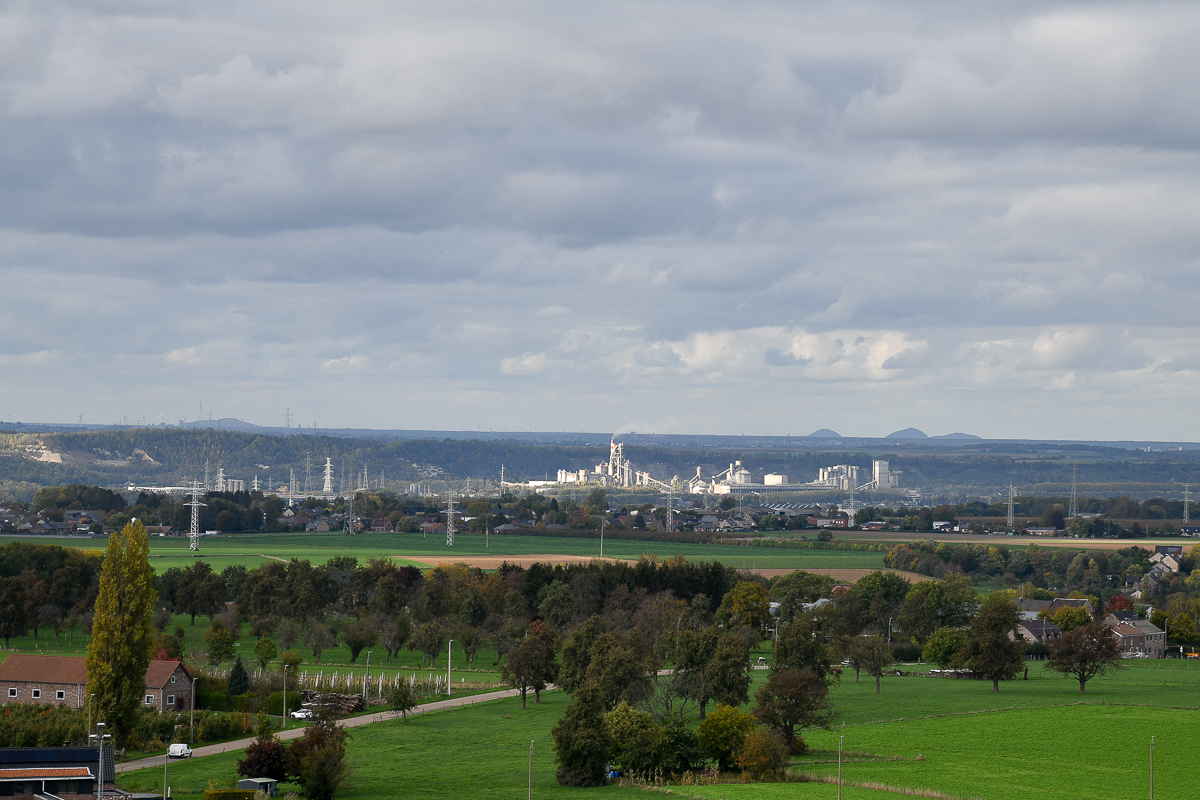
(618, 471)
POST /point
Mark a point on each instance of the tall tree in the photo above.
(727, 675)
(876, 655)
(581, 740)
(532, 664)
(12, 609)
(693, 652)
(1085, 653)
(122, 633)
(992, 647)
(791, 699)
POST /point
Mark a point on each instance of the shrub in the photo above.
(228, 794)
(906, 651)
(763, 753)
(274, 704)
(722, 734)
(581, 740)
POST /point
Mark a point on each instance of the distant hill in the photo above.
(907, 433)
(824, 433)
(966, 437)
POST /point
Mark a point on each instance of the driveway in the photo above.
(352, 722)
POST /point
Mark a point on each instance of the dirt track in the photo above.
(1022, 541)
(843, 575)
(494, 562)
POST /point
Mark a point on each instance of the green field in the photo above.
(1032, 740)
(252, 549)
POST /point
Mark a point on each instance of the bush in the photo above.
(228, 794)
(763, 753)
(581, 740)
(723, 733)
(906, 651)
(214, 727)
(274, 703)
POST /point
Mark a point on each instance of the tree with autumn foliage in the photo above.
(1086, 653)
(747, 604)
(532, 664)
(122, 631)
(791, 699)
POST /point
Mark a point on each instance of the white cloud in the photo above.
(682, 213)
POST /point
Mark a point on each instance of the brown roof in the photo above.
(22, 667)
(159, 672)
(43, 669)
(46, 772)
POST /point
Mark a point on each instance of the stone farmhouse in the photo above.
(63, 679)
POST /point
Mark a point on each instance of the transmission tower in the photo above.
(1012, 493)
(206, 474)
(1074, 495)
(450, 531)
(220, 479)
(1187, 501)
(194, 531)
(328, 488)
(307, 472)
(287, 422)
(351, 525)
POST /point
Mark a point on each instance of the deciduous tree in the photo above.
(791, 699)
(727, 676)
(532, 664)
(581, 740)
(992, 647)
(265, 652)
(122, 633)
(722, 734)
(1085, 653)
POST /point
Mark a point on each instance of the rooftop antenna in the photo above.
(1074, 498)
(194, 531)
(450, 520)
(1011, 496)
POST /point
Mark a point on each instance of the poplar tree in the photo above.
(122, 633)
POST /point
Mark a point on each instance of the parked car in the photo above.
(179, 750)
(304, 713)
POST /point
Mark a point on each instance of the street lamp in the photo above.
(284, 709)
(101, 737)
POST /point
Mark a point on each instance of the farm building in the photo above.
(63, 679)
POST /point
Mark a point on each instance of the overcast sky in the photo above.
(674, 217)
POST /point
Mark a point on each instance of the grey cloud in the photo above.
(774, 357)
(283, 209)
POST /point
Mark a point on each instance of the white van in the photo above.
(179, 751)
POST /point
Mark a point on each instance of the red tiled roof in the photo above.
(49, 772)
(25, 668)
(43, 669)
(159, 672)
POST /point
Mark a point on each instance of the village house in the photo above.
(52, 680)
(1038, 630)
(68, 773)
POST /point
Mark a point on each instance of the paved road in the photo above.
(352, 722)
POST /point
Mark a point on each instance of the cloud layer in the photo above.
(760, 218)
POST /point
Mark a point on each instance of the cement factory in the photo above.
(618, 471)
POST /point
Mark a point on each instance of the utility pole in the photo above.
(449, 659)
(1151, 768)
(603, 519)
(531, 770)
(1074, 512)
(1011, 496)
(840, 740)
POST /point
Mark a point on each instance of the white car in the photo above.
(304, 713)
(179, 751)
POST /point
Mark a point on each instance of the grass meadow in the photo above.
(1038, 738)
(251, 549)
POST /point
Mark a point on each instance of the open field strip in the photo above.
(252, 549)
(1013, 541)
